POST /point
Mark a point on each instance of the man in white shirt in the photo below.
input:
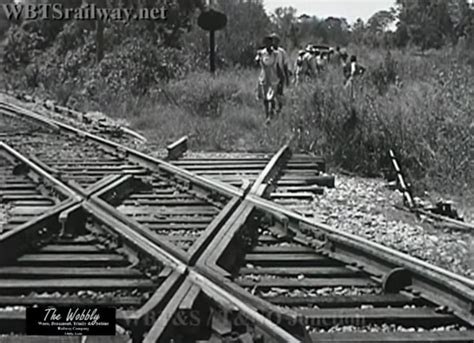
(351, 71)
(268, 80)
(282, 69)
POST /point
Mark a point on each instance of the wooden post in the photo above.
(212, 50)
(212, 21)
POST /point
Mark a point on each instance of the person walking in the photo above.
(268, 79)
(341, 56)
(299, 66)
(351, 71)
(320, 60)
(283, 70)
(307, 64)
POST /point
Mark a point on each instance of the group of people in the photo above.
(275, 71)
(311, 61)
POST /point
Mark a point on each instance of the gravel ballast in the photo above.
(363, 207)
(366, 207)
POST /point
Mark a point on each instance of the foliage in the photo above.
(135, 66)
(423, 23)
(247, 23)
(205, 96)
(152, 74)
(357, 134)
(284, 20)
(384, 74)
(22, 47)
(401, 98)
(433, 23)
(302, 30)
(4, 23)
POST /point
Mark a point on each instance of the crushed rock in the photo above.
(365, 207)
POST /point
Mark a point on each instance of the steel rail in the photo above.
(137, 156)
(242, 213)
(50, 105)
(134, 232)
(459, 290)
(457, 223)
(263, 204)
(208, 261)
(57, 184)
(390, 256)
(31, 116)
(13, 241)
(296, 218)
(160, 325)
(111, 191)
(124, 228)
(456, 296)
(270, 170)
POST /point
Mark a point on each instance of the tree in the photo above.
(462, 17)
(337, 30)
(99, 37)
(358, 31)
(237, 43)
(380, 21)
(376, 32)
(311, 30)
(178, 19)
(426, 22)
(4, 23)
(285, 21)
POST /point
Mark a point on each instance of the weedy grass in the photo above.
(419, 105)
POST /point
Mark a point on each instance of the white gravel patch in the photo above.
(365, 207)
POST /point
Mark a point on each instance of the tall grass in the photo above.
(419, 105)
(422, 107)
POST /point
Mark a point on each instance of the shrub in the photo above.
(426, 120)
(204, 95)
(22, 47)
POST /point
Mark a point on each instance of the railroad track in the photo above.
(299, 179)
(112, 263)
(247, 268)
(97, 125)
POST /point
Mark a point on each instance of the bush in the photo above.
(426, 120)
(204, 95)
(384, 74)
(22, 47)
(419, 105)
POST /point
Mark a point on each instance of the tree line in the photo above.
(425, 24)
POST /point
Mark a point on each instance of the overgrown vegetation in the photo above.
(418, 103)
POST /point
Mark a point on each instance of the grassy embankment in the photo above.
(420, 106)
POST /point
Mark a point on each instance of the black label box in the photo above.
(70, 321)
